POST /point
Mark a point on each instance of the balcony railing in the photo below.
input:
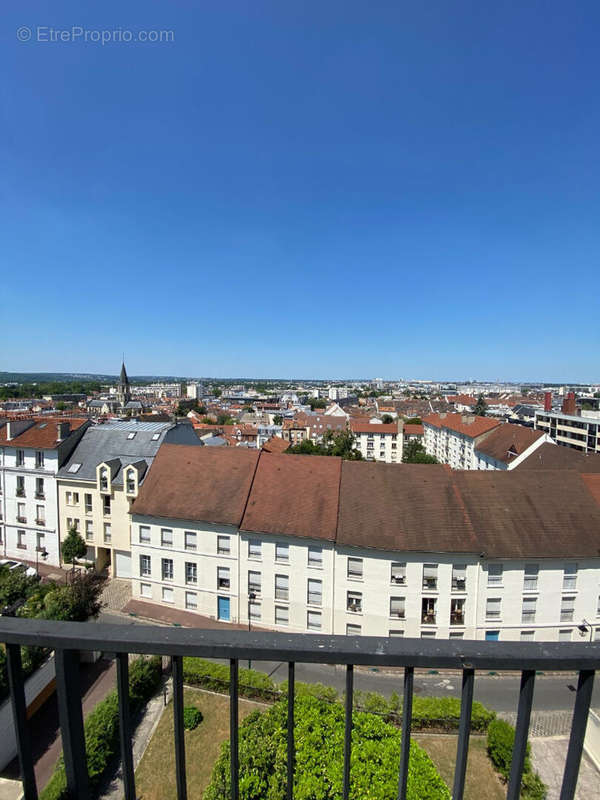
(67, 638)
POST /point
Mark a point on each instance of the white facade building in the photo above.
(378, 441)
(580, 433)
(452, 438)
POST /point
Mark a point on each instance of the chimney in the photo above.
(548, 401)
(468, 419)
(64, 429)
(9, 431)
(570, 403)
(443, 415)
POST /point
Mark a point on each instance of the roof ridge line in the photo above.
(260, 454)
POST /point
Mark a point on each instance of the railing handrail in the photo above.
(302, 647)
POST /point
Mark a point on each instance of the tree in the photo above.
(333, 444)
(73, 547)
(278, 419)
(414, 453)
(317, 402)
(225, 419)
(413, 421)
(216, 393)
(387, 419)
(480, 406)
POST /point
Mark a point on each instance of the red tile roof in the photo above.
(508, 442)
(42, 435)
(553, 456)
(460, 423)
(275, 445)
(357, 426)
(413, 429)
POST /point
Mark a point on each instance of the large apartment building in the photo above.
(31, 454)
(452, 438)
(101, 478)
(581, 433)
(378, 441)
(306, 543)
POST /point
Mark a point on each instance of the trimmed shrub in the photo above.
(500, 742)
(209, 675)
(192, 717)
(102, 727)
(319, 757)
(318, 690)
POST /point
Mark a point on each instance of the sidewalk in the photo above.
(174, 616)
(548, 756)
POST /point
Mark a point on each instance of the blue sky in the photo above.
(338, 189)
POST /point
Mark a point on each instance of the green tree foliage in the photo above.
(333, 444)
(319, 731)
(73, 547)
(317, 402)
(225, 419)
(185, 406)
(413, 421)
(15, 585)
(76, 601)
(500, 742)
(48, 387)
(278, 419)
(216, 392)
(387, 419)
(480, 406)
(192, 717)
(414, 453)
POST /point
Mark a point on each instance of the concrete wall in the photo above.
(591, 744)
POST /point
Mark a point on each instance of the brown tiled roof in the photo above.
(42, 435)
(460, 424)
(210, 484)
(275, 445)
(593, 484)
(413, 429)
(411, 507)
(544, 514)
(373, 427)
(507, 442)
(553, 456)
(294, 495)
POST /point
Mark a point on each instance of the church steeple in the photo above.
(124, 392)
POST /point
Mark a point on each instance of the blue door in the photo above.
(223, 609)
(492, 636)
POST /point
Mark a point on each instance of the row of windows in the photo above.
(40, 514)
(39, 458)
(39, 487)
(493, 608)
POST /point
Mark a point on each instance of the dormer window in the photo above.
(104, 479)
(131, 482)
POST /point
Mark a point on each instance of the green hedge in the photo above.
(192, 717)
(102, 727)
(319, 736)
(500, 742)
(215, 677)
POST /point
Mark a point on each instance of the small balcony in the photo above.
(428, 618)
(40, 496)
(40, 521)
(237, 647)
(20, 492)
(22, 520)
(457, 618)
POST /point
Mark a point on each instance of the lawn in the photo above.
(481, 782)
(155, 775)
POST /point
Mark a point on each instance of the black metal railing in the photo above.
(68, 638)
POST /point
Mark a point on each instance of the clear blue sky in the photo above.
(327, 189)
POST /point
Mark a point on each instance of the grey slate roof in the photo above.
(109, 443)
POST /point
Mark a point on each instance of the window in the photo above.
(397, 633)
(76, 524)
(494, 574)
(570, 577)
(459, 577)
(223, 545)
(355, 568)
(313, 620)
(527, 636)
(190, 539)
(254, 549)
(567, 609)
(131, 435)
(146, 589)
(353, 630)
(398, 575)
(20, 486)
(282, 615)
(397, 607)
(131, 482)
(40, 515)
(314, 595)
(89, 529)
(282, 552)
(282, 587)
(457, 612)
(166, 537)
(21, 512)
(191, 572)
(315, 556)
(39, 459)
(354, 602)
(21, 544)
(565, 636)
(528, 612)
(107, 531)
(191, 600)
(428, 606)
(39, 488)
(493, 607)
(531, 577)
(223, 579)
(427, 634)
(168, 595)
(69, 498)
(145, 537)
(145, 565)
(167, 569)
(254, 582)
(255, 610)
(456, 635)
(74, 467)
(103, 479)
(88, 503)
(20, 458)
(430, 577)
(106, 505)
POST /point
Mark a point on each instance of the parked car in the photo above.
(29, 571)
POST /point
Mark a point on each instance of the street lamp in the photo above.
(40, 551)
(583, 629)
(251, 597)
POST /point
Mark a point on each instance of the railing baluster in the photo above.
(70, 716)
(348, 730)
(407, 702)
(291, 755)
(125, 725)
(521, 732)
(177, 671)
(464, 730)
(583, 699)
(19, 709)
(233, 727)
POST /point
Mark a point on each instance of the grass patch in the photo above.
(481, 782)
(155, 775)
